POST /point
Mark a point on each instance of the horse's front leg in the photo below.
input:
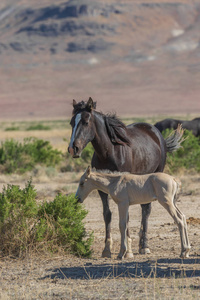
(107, 219)
(123, 221)
(143, 241)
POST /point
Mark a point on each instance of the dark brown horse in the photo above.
(138, 148)
(192, 125)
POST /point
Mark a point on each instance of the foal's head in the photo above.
(83, 130)
(84, 187)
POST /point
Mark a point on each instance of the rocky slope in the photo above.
(132, 51)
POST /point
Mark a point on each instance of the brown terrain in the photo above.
(135, 58)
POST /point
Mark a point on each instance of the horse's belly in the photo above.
(142, 199)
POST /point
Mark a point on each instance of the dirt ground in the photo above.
(161, 274)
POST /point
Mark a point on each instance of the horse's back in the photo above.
(147, 141)
(193, 125)
(167, 124)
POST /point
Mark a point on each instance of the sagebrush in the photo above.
(21, 157)
(51, 227)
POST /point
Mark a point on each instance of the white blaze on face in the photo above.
(77, 120)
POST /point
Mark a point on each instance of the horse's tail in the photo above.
(174, 140)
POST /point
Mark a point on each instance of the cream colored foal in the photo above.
(129, 189)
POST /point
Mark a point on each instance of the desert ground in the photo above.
(138, 59)
(160, 274)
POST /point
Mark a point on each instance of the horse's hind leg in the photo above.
(107, 219)
(143, 242)
(180, 220)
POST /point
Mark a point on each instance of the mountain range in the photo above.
(133, 57)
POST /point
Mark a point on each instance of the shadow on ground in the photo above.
(162, 268)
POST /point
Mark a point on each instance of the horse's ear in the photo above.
(88, 171)
(74, 103)
(91, 104)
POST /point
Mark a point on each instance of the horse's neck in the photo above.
(101, 141)
(100, 181)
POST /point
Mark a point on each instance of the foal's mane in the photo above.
(116, 129)
(106, 171)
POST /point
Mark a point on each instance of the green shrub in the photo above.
(12, 128)
(187, 156)
(21, 157)
(38, 127)
(51, 227)
(67, 229)
(18, 212)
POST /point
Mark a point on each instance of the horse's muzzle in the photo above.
(74, 152)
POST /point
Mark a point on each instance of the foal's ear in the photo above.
(91, 104)
(88, 171)
(74, 103)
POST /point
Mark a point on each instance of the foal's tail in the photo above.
(174, 140)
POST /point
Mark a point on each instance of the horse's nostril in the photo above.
(75, 150)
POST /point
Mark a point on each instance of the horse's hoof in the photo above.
(107, 250)
(129, 255)
(106, 254)
(119, 257)
(144, 251)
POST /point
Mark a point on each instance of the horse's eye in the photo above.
(81, 183)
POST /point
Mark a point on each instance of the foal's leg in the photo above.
(180, 220)
(107, 219)
(143, 242)
(129, 252)
(123, 221)
(185, 252)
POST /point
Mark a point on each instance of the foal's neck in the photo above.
(101, 181)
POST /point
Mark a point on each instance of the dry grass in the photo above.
(158, 275)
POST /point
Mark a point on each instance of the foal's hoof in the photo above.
(129, 255)
(185, 254)
(144, 251)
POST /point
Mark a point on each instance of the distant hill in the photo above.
(133, 57)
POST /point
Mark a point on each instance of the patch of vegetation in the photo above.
(24, 125)
(187, 156)
(67, 229)
(51, 227)
(21, 157)
(13, 128)
(38, 127)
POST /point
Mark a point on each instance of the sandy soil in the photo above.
(159, 274)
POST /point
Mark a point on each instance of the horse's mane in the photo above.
(81, 106)
(116, 129)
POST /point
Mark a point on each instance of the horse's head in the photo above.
(84, 187)
(83, 130)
